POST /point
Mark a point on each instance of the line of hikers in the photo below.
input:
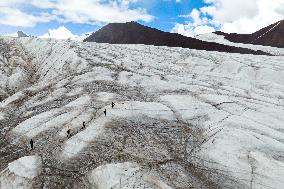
(69, 130)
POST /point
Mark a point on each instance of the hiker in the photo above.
(112, 104)
(84, 126)
(32, 144)
(68, 133)
(105, 112)
(156, 163)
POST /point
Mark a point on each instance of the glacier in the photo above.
(182, 118)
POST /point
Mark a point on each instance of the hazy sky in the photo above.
(72, 18)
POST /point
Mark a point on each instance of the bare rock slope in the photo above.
(134, 33)
(271, 35)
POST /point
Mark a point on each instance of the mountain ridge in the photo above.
(21, 34)
(271, 35)
(135, 33)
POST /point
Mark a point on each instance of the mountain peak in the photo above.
(135, 33)
(21, 34)
(126, 24)
(132, 22)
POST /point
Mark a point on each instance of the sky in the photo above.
(65, 19)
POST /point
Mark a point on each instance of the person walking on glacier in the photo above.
(112, 104)
(105, 112)
(68, 133)
(84, 126)
(32, 144)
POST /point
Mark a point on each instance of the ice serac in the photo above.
(21, 173)
(134, 33)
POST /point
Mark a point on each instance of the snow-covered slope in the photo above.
(182, 118)
(212, 37)
(21, 173)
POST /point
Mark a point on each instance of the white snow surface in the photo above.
(20, 174)
(27, 167)
(236, 100)
(124, 176)
(2, 116)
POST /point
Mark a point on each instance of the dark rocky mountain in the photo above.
(21, 34)
(134, 33)
(272, 35)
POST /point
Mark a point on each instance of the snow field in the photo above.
(21, 172)
(235, 100)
